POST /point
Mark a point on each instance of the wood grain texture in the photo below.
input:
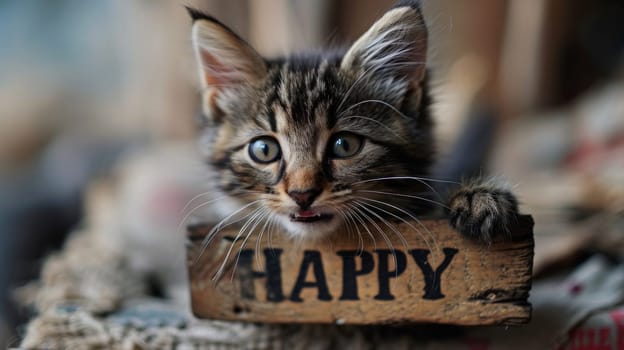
(448, 280)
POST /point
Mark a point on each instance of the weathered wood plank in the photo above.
(448, 280)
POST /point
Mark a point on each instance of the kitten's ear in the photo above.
(224, 59)
(394, 47)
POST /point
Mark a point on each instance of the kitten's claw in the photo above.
(483, 210)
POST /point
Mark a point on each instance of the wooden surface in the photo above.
(451, 280)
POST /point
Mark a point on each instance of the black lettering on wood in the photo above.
(273, 274)
(311, 258)
(350, 272)
(384, 274)
(433, 288)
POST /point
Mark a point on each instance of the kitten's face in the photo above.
(310, 142)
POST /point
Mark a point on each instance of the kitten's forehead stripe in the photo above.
(273, 98)
(272, 121)
(307, 96)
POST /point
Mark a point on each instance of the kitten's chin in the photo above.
(309, 230)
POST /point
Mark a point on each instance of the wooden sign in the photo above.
(443, 278)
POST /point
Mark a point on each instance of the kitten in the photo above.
(318, 142)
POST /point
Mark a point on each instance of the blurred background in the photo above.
(82, 83)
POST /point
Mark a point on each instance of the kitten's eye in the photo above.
(345, 145)
(264, 150)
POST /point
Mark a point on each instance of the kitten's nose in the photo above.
(304, 198)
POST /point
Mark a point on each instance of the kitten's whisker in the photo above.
(217, 275)
(190, 201)
(387, 223)
(238, 193)
(258, 220)
(407, 222)
(219, 226)
(219, 272)
(349, 216)
(344, 220)
(351, 231)
(270, 235)
(381, 232)
(359, 234)
(419, 222)
(258, 241)
(422, 180)
(357, 216)
(417, 178)
(406, 196)
(223, 223)
(192, 211)
(343, 212)
(188, 215)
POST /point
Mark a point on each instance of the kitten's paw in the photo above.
(482, 210)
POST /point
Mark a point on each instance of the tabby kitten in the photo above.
(332, 140)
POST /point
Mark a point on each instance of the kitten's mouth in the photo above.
(310, 216)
